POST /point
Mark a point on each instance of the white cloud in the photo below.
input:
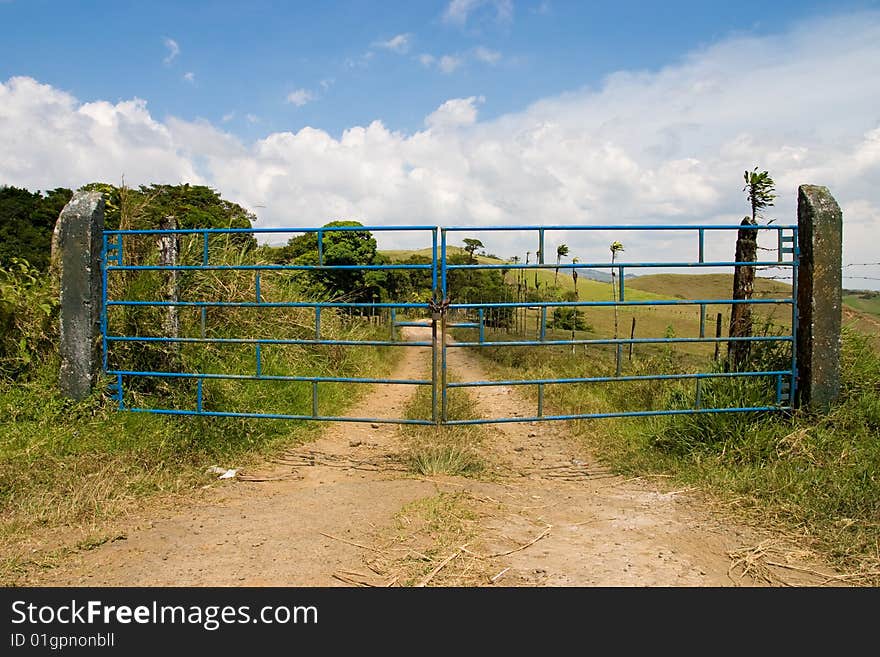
(448, 63)
(399, 43)
(300, 97)
(173, 50)
(228, 117)
(455, 113)
(326, 83)
(426, 60)
(486, 55)
(642, 147)
(190, 77)
(458, 12)
(251, 118)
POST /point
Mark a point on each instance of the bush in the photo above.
(28, 309)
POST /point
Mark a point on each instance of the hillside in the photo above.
(705, 286)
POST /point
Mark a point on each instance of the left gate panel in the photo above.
(284, 323)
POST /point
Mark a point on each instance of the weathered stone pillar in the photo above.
(80, 227)
(820, 237)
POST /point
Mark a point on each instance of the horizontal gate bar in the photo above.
(599, 341)
(271, 304)
(458, 229)
(604, 379)
(656, 302)
(627, 265)
(279, 416)
(224, 231)
(278, 341)
(270, 377)
(267, 267)
(599, 416)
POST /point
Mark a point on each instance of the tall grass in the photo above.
(70, 470)
(816, 475)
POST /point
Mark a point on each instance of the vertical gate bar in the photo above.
(699, 394)
(540, 246)
(434, 260)
(257, 288)
(434, 417)
(543, 323)
(778, 245)
(620, 284)
(259, 360)
(482, 330)
(314, 399)
(702, 244)
(778, 389)
(540, 400)
(443, 263)
(203, 320)
(317, 322)
(119, 387)
(199, 396)
(392, 322)
(205, 249)
(320, 247)
(717, 334)
(443, 392)
(104, 302)
(795, 259)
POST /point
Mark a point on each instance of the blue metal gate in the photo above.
(446, 313)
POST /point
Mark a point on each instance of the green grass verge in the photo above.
(814, 475)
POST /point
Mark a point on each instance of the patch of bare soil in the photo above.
(344, 511)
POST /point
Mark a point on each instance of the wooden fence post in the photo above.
(743, 288)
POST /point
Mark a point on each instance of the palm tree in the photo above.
(561, 252)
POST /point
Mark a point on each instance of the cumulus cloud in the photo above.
(455, 113)
(190, 77)
(399, 43)
(458, 12)
(300, 97)
(448, 63)
(486, 55)
(642, 147)
(173, 50)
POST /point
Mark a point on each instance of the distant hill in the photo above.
(705, 286)
(598, 275)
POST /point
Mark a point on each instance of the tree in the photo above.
(759, 190)
(470, 246)
(574, 275)
(561, 252)
(26, 223)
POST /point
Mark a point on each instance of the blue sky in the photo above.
(247, 57)
(459, 112)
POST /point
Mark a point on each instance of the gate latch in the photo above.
(438, 308)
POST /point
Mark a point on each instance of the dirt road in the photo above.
(344, 510)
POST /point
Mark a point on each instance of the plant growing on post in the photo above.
(561, 252)
(759, 190)
(574, 276)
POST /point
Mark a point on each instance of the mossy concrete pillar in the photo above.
(79, 237)
(820, 238)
